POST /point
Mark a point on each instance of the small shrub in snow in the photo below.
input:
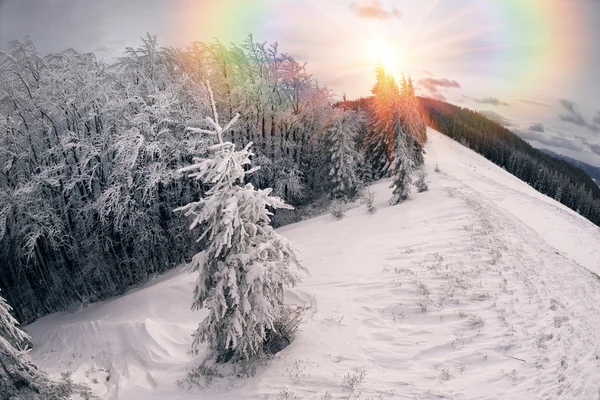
(285, 394)
(296, 371)
(338, 211)
(405, 271)
(286, 326)
(437, 168)
(353, 380)
(200, 376)
(368, 200)
(422, 289)
(475, 321)
(331, 320)
(445, 374)
(420, 182)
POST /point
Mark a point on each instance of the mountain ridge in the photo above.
(591, 170)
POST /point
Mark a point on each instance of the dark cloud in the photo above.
(494, 116)
(573, 116)
(433, 85)
(595, 148)
(596, 120)
(547, 140)
(375, 10)
(493, 101)
(536, 127)
(438, 82)
(535, 102)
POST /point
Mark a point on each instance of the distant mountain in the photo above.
(554, 177)
(593, 172)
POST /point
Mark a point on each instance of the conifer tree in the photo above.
(246, 264)
(343, 157)
(380, 135)
(413, 121)
(403, 165)
(19, 376)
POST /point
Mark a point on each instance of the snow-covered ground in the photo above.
(480, 288)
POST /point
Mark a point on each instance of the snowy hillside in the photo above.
(481, 289)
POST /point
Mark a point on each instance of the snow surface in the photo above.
(480, 288)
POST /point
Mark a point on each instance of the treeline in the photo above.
(89, 154)
(555, 178)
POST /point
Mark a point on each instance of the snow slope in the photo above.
(480, 288)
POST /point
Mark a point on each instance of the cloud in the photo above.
(438, 82)
(433, 86)
(493, 101)
(596, 120)
(103, 49)
(375, 10)
(494, 116)
(573, 116)
(536, 127)
(437, 96)
(595, 148)
(535, 103)
(548, 140)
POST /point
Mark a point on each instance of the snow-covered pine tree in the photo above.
(246, 264)
(19, 376)
(8, 327)
(403, 164)
(343, 157)
(413, 121)
(379, 141)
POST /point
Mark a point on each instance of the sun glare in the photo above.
(388, 56)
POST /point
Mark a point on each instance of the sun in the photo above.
(389, 57)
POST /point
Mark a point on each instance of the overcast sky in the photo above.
(532, 65)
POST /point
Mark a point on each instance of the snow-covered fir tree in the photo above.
(343, 157)
(403, 164)
(379, 141)
(245, 265)
(19, 376)
(415, 121)
(412, 120)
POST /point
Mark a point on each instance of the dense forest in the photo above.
(101, 164)
(90, 153)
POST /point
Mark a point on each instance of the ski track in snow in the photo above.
(480, 288)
